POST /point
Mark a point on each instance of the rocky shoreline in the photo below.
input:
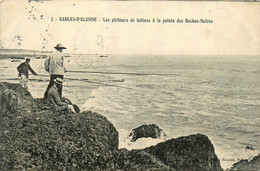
(38, 138)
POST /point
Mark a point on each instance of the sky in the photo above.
(234, 31)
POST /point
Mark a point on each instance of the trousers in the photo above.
(24, 81)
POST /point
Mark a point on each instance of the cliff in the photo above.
(38, 138)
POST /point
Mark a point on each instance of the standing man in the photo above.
(55, 67)
(23, 72)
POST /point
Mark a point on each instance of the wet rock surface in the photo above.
(253, 165)
(38, 138)
(194, 152)
(145, 131)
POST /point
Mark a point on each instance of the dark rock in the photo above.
(145, 131)
(15, 60)
(26, 104)
(49, 141)
(139, 160)
(38, 138)
(239, 165)
(194, 152)
(254, 164)
(46, 140)
(249, 148)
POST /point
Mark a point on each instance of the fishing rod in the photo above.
(121, 73)
(93, 82)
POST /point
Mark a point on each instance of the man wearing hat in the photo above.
(56, 68)
(54, 97)
(24, 74)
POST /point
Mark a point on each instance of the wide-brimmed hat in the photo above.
(58, 80)
(59, 46)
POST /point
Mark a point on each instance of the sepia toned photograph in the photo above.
(133, 85)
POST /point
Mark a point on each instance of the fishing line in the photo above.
(93, 82)
(121, 73)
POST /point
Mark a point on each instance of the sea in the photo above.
(218, 96)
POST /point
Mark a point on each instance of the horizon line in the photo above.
(84, 53)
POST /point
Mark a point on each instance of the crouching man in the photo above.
(54, 98)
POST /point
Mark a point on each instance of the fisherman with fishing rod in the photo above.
(55, 66)
(54, 98)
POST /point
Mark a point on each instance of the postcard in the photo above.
(129, 85)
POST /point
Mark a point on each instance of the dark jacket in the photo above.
(55, 99)
(23, 69)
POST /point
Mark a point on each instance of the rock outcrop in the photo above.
(139, 160)
(194, 152)
(145, 131)
(38, 138)
(50, 141)
(254, 164)
(26, 104)
(249, 148)
(35, 137)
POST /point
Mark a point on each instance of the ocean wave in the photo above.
(141, 143)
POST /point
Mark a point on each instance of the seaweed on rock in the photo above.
(38, 138)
